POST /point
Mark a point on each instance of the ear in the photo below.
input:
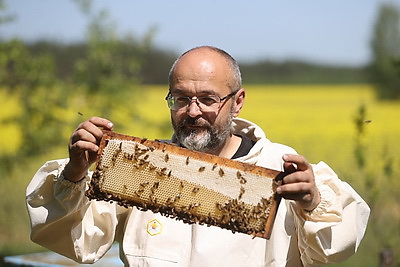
(239, 101)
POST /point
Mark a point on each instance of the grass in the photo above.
(318, 121)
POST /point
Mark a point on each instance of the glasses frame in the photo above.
(195, 98)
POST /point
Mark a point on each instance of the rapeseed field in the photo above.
(317, 120)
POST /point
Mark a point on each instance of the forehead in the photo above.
(201, 72)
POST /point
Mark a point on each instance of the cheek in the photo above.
(223, 115)
(176, 117)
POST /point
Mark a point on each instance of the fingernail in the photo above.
(278, 190)
(110, 125)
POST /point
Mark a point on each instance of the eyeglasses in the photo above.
(205, 103)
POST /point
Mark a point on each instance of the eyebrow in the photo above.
(183, 92)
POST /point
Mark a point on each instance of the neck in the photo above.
(229, 147)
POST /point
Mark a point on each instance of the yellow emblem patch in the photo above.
(154, 227)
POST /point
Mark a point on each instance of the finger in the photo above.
(85, 135)
(81, 146)
(101, 122)
(300, 161)
(91, 126)
(295, 188)
(298, 177)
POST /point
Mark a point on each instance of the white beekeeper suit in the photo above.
(65, 221)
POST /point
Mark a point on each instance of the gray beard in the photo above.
(207, 139)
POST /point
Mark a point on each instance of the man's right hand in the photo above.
(83, 147)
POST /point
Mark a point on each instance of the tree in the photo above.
(386, 52)
(108, 76)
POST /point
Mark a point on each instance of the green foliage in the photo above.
(377, 183)
(5, 18)
(298, 72)
(360, 121)
(20, 70)
(107, 77)
(104, 83)
(386, 52)
(32, 80)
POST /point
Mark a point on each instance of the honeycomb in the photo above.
(187, 185)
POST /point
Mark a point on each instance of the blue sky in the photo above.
(333, 32)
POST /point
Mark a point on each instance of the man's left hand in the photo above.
(299, 183)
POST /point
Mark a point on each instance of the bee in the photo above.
(181, 186)
(144, 184)
(156, 185)
(187, 161)
(193, 205)
(140, 191)
(164, 148)
(166, 158)
(195, 190)
(169, 173)
(223, 218)
(80, 113)
(201, 169)
(114, 159)
(162, 172)
(152, 167)
(214, 166)
(177, 197)
(241, 192)
(243, 180)
(221, 172)
(143, 140)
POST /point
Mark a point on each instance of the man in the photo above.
(322, 219)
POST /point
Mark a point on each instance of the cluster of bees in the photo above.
(240, 217)
(234, 215)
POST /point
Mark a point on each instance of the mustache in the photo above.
(194, 122)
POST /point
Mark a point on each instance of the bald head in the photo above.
(213, 60)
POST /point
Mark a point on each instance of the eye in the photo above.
(181, 100)
(208, 100)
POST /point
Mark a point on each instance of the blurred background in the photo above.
(313, 71)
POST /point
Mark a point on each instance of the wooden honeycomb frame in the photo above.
(187, 185)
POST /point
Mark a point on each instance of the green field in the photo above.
(318, 121)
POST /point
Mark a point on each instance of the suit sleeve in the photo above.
(64, 220)
(333, 231)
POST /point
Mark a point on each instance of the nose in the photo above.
(193, 110)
